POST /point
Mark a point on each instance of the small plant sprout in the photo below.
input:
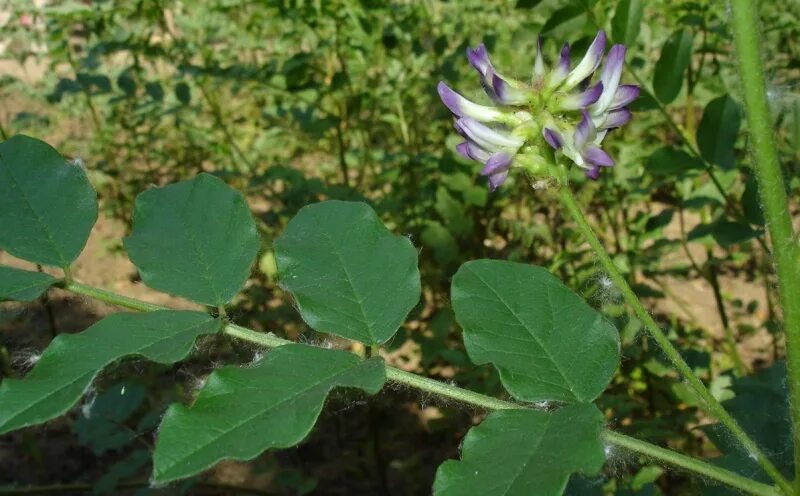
(562, 110)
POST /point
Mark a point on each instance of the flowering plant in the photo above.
(561, 108)
(557, 403)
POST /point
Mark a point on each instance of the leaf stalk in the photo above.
(461, 395)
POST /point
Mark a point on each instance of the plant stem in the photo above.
(712, 406)
(455, 393)
(772, 192)
(109, 297)
(730, 340)
(447, 390)
(686, 462)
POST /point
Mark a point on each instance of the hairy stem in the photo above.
(707, 400)
(688, 463)
(458, 394)
(772, 192)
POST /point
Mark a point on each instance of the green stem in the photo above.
(688, 463)
(712, 406)
(447, 390)
(109, 297)
(772, 191)
(730, 340)
(455, 393)
(264, 339)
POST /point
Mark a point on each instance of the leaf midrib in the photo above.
(38, 218)
(206, 272)
(532, 453)
(531, 334)
(349, 278)
(97, 370)
(19, 289)
(261, 412)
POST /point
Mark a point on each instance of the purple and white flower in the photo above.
(582, 147)
(561, 108)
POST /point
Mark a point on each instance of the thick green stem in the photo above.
(707, 400)
(448, 390)
(772, 191)
(109, 297)
(456, 393)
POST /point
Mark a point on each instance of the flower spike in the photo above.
(561, 111)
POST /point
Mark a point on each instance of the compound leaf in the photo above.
(241, 412)
(47, 207)
(676, 54)
(349, 274)
(23, 285)
(545, 341)
(195, 239)
(524, 452)
(71, 361)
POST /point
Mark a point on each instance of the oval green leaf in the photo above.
(676, 54)
(241, 412)
(561, 16)
(525, 452)
(718, 129)
(349, 274)
(626, 22)
(195, 239)
(545, 341)
(672, 162)
(71, 361)
(23, 285)
(47, 207)
(728, 233)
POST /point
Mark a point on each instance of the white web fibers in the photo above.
(602, 289)
(320, 342)
(87, 404)
(618, 461)
(543, 184)
(427, 399)
(25, 360)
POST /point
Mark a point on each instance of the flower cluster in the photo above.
(560, 108)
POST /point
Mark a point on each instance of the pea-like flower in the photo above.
(561, 109)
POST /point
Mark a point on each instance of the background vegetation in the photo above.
(296, 102)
